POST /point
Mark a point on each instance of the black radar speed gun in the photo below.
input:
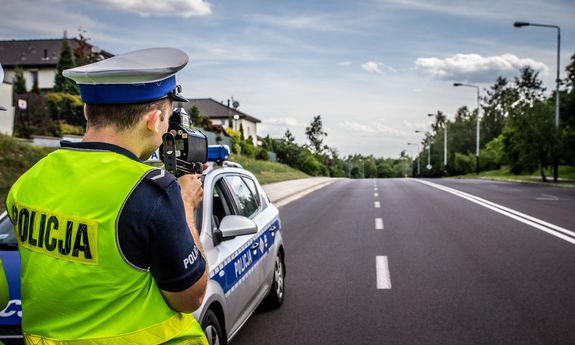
(183, 150)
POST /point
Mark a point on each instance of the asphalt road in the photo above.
(438, 267)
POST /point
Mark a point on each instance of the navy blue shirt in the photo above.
(153, 233)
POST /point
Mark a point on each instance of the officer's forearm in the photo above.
(195, 233)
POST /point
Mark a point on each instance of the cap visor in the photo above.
(179, 98)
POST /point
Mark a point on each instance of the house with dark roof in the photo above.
(39, 58)
(221, 114)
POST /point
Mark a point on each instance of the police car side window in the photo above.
(245, 200)
(220, 205)
(252, 186)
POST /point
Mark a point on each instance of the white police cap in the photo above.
(134, 77)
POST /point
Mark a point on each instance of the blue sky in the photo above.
(372, 69)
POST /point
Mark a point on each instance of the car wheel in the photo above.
(276, 296)
(212, 329)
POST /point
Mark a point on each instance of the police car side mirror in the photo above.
(232, 226)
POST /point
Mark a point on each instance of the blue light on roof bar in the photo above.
(218, 153)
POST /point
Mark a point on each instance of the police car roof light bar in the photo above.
(218, 153)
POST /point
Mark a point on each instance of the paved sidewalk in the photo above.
(282, 193)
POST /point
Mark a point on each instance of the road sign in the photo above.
(22, 104)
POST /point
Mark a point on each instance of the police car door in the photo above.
(242, 276)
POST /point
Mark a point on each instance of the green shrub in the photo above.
(16, 157)
(464, 164)
(492, 156)
(248, 148)
(262, 154)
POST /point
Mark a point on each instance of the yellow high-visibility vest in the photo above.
(77, 288)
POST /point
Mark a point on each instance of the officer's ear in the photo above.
(154, 120)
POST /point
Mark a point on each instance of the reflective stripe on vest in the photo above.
(76, 283)
(153, 335)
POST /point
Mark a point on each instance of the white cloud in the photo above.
(321, 23)
(509, 10)
(181, 8)
(416, 125)
(344, 63)
(373, 127)
(476, 68)
(287, 121)
(377, 67)
(33, 19)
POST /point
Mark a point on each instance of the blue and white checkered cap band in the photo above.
(127, 93)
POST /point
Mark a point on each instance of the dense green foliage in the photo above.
(18, 81)
(53, 113)
(517, 125)
(66, 61)
(16, 157)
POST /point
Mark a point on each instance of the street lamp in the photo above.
(444, 141)
(236, 118)
(477, 139)
(418, 157)
(557, 82)
(412, 155)
(428, 136)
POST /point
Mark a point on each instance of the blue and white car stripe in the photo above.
(238, 266)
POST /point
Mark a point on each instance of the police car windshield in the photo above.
(7, 234)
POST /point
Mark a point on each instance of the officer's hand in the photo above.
(192, 191)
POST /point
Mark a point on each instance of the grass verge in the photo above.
(268, 172)
(566, 175)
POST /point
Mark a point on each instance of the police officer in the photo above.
(109, 248)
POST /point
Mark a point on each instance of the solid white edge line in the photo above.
(378, 224)
(531, 221)
(382, 273)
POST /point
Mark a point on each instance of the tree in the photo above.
(66, 61)
(35, 88)
(289, 137)
(567, 114)
(440, 119)
(498, 104)
(315, 135)
(529, 132)
(570, 70)
(19, 81)
(85, 53)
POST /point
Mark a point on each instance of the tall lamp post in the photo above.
(411, 152)
(236, 118)
(477, 139)
(428, 136)
(418, 157)
(557, 82)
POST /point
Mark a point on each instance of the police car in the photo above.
(240, 231)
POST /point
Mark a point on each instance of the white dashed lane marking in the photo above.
(377, 204)
(375, 195)
(382, 272)
(378, 224)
